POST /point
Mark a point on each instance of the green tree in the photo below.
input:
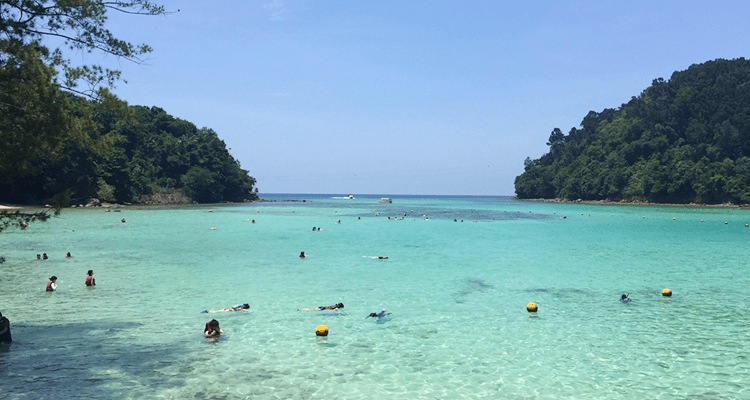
(37, 120)
(81, 26)
(682, 140)
(200, 185)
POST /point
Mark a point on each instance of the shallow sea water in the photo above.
(457, 291)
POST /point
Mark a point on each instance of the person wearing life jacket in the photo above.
(212, 329)
(321, 308)
(52, 285)
(302, 255)
(90, 281)
(68, 255)
(4, 330)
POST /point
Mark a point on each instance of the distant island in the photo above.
(681, 141)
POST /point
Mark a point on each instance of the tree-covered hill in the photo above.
(63, 135)
(685, 140)
(120, 153)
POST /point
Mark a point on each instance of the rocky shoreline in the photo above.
(635, 202)
(175, 198)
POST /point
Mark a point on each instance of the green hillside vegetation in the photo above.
(64, 136)
(685, 140)
(56, 142)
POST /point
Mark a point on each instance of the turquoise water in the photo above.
(457, 291)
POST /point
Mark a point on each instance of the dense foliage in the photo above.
(78, 25)
(129, 152)
(57, 145)
(685, 140)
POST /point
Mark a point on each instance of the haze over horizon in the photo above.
(419, 97)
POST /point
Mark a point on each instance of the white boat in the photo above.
(385, 200)
(350, 197)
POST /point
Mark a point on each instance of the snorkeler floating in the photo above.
(625, 299)
(321, 308)
(228, 309)
(379, 315)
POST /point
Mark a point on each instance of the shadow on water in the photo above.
(471, 286)
(84, 360)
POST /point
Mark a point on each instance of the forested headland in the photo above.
(126, 154)
(683, 140)
(64, 136)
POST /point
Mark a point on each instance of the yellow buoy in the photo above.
(725, 222)
(701, 220)
(531, 307)
(213, 229)
(666, 293)
(673, 218)
(321, 330)
(746, 225)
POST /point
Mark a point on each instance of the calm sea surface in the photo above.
(457, 291)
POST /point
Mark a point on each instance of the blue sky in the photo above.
(409, 97)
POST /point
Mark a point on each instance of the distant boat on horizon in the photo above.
(349, 197)
(385, 200)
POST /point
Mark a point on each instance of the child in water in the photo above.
(52, 284)
(212, 329)
(90, 281)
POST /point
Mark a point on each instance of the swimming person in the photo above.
(379, 315)
(90, 281)
(302, 255)
(321, 308)
(52, 285)
(68, 255)
(4, 330)
(212, 329)
(228, 309)
(44, 256)
(625, 299)
(38, 256)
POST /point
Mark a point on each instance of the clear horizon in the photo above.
(419, 97)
